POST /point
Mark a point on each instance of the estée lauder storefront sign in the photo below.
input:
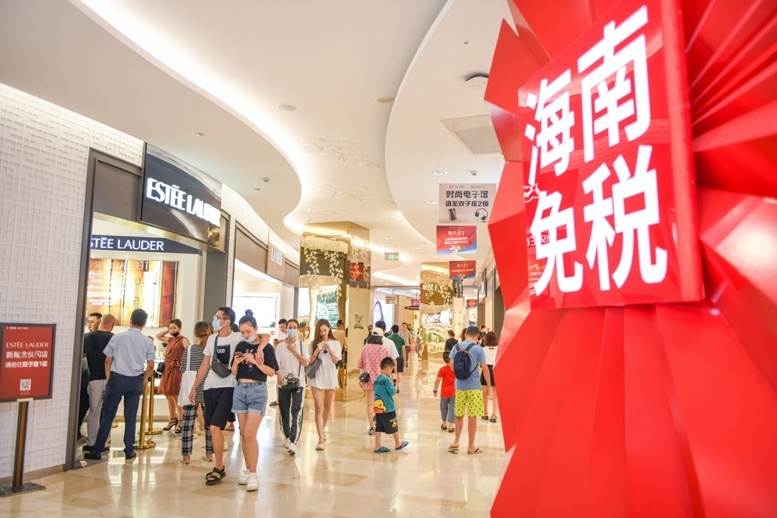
(180, 198)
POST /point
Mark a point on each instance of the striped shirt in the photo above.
(195, 351)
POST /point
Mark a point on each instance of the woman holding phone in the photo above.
(254, 362)
(327, 350)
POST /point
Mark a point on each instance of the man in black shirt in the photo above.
(94, 345)
(451, 341)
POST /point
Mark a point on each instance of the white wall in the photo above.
(44, 151)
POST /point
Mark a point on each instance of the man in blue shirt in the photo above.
(469, 393)
(129, 364)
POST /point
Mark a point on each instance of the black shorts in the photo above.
(386, 423)
(483, 378)
(400, 365)
(218, 406)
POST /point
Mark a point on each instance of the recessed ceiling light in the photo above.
(200, 134)
(384, 100)
(439, 172)
(287, 107)
(431, 202)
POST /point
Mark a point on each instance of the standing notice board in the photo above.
(26, 369)
(27, 361)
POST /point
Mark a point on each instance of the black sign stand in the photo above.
(17, 485)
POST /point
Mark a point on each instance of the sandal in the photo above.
(170, 424)
(493, 419)
(178, 428)
(382, 449)
(453, 449)
(215, 476)
(402, 445)
(206, 458)
(452, 429)
(443, 426)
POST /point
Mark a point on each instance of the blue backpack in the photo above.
(463, 363)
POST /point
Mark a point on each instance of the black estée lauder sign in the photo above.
(180, 198)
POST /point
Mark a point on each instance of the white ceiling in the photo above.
(165, 71)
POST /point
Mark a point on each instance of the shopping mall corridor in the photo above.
(347, 479)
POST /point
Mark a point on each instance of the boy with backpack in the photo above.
(468, 360)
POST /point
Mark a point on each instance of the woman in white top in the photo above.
(293, 357)
(325, 347)
(490, 344)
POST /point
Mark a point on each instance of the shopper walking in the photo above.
(490, 345)
(326, 350)
(254, 361)
(170, 384)
(468, 359)
(293, 356)
(126, 354)
(369, 364)
(219, 385)
(192, 361)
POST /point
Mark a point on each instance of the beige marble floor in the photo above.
(347, 479)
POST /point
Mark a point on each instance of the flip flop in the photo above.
(453, 449)
(382, 449)
(403, 445)
(477, 451)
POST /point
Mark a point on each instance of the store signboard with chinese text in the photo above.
(27, 361)
(463, 203)
(610, 201)
(462, 269)
(455, 239)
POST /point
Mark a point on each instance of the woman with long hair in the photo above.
(254, 362)
(170, 385)
(192, 360)
(369, 363)
(490, 344)
(325, 349)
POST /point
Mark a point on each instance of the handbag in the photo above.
(217, 366)
(187, 380)
(364, 377)
(292, 381)
(310, 370)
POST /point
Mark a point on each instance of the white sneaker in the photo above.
(243, 478)
(286, 443)
(292, 449)
(253, 482)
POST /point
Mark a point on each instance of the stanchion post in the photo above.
(150, 421)
(143, 443)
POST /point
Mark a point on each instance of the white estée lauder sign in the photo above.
(174, 197)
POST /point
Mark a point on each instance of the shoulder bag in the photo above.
(216, 365)
(312, 368)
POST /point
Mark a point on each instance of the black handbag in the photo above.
(364, 377)
(217, 366)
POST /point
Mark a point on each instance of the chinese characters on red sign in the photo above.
(27, 361)
(462, 269)
(609, 194)
(456, 239)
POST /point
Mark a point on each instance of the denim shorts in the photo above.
(250, 397)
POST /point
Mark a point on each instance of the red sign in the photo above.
(462, 269)
(472, 303)
(455, 239)
(356, 271)
(27, 361)
(609, 196)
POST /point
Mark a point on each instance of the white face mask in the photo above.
(291, 333)
(251, 339)
(216, 323)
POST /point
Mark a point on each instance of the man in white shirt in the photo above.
(217, 390)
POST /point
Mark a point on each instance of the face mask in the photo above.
(251, 339)
(291, 333)
(174, 334)
(216, 323)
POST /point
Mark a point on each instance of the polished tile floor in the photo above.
(347, 479)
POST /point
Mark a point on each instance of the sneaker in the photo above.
(93, 455)
(321, 445)
(371, 431)
(253, 482)
(243, 478)
(286, 443)
(292, 449)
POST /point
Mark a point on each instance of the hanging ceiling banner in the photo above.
(464, 203)
(455, 239)
(462, 269)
